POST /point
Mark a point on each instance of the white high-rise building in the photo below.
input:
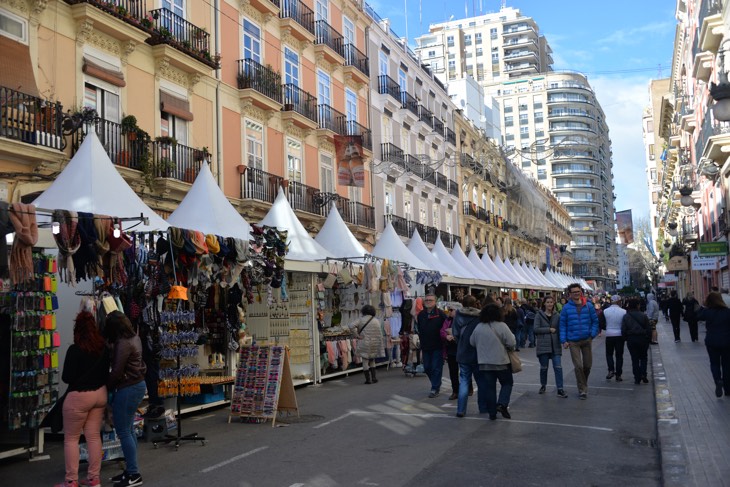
(552, 124)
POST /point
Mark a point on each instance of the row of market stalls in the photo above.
(208, 273)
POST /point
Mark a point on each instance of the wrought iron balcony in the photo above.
(386, 85)
(30, 119)
(125, 150)
(260, 185)
(169, 28)
(409, 103)
(450, 240)
(354, 57)
(175, 161)
(453, 188)
(356, 213)
(468, 161)
(330, 119)
(301, 197)
(325, 34)
(450, 136)
(260, 78)
(425, 115)
(297, 100)
(393, 154)
(438, 126)
(470, 209)
(354, 128)
(299, 12)
(442, 182)
(400, 224)
(413, 226)
(133, 12)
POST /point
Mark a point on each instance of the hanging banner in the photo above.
(703, 263)
(625, 225)
(350, 162)
(712, 249)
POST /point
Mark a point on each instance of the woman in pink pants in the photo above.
(85, 370)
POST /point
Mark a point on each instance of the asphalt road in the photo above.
(391, 434)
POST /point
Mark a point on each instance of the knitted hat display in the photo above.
(85, 259)
(23, 218)
(68, 242)
(212, 242)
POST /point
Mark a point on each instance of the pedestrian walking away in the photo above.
(691, 306)
(371, 341)
(652, 312)
(547, 337)
(610, 321)
(428, 326)
(636, 328)
(674, 307)
(450, 345)
(578, 328)
(716, 316)
(492, 338)
(466, 320)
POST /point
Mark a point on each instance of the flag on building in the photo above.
(625, 225)
(350, 161)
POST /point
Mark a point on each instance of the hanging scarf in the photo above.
(211, 241)
(85, 259)
(23, 218)
(115, 262)
(103, 225)
(68, 242)
(198, 240)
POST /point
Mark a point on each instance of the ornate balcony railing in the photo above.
(301, 197)
(356, 213)
(123, 150)
(468, 161)
(30, 119)
(325, 34)
(354, 57)
(297, 100)
(260, 185)
(331, 119)
(354, 128)
(132, 12)
(470, 209)
(442, 182)
(453, 188)
(386, 85)
(450, 240)
(409, 103)
(450, 136)
(425, 115)
(400, 224)
(169, 28)
(260, 78)
(438, 126)
(175, 161)
(393, 154)
(299, 12)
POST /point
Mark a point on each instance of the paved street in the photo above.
(390, 434)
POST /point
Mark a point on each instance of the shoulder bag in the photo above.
(514, 358)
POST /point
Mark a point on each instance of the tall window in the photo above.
(323, 88)
(350, 105)
(327, 174)
(407, 205)
(176, 6)
(254, 145)
(291, 67)
(405, 140)
(435, 216)
(172, 126)
(321, 11)
(388, 199)
(103, 100)
(402, 80)
(294, 160)
(422, 211)
(251, 41)
(348, 31)
(448, 222)
(382, 63)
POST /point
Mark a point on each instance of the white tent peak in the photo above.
(442, 254)
(302, 246)
(390, 246)
(337, 238)
(90, 183)
(419, 249)
(206, 209)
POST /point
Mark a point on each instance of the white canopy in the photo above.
(513, 278)
(206, 209)
(477, 262)
(301, 245)
(419, 249)
(552, 277)
(525, 277)
(458, 255)
(532, 271)
(439, 252)
(338, 239)
(90, 183)
(391, 247)
(487, 261)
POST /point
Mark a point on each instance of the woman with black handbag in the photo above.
(86, 370)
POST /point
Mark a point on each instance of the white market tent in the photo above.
(533, 271)
(458, 255)
(487, 261)
(90, 183)
(337, 238)
(419, 249)
(390, 246)
(206, 209)
(302, 246)
(553, 277)
(477, 262)
(513, 278)
(521, 272)
(442, 254)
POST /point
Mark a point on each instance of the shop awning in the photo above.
(206, 209)
(90, 183)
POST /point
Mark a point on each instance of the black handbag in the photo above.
(54, 417)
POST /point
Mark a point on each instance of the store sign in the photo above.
(703, 263)
(678, 263)
(712, 249)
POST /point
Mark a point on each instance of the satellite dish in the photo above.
(463, 103)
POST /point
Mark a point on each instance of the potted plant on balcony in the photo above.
(202, 154)
(166, 140)
(165, 167)
(129, 127)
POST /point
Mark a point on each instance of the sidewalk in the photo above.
(693, 425)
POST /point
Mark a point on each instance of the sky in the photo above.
(620, 45)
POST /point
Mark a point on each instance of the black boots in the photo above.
(372, 374)
(367, 377)
(718, 388)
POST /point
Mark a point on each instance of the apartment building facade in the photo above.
(257, 89)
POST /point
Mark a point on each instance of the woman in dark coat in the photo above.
(716, 316)
(691, 305)
(636, 330)
(547, 337)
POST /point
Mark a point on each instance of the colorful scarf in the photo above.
(68, 242)
(23, 218)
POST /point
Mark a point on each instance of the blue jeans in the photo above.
(124, 406)
(557, 368)
(487, 393)
(466, 371)
(433, 365)
(520, 336)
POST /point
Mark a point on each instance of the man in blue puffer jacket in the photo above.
(578, 328)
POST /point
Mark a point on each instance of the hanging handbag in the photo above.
(514, 358)
(331, 279)
(344, 277)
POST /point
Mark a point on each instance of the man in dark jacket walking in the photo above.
(428, 327)
(466, 319)
(578, 328)
(674, 306)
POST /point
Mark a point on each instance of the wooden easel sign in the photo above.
(263, 385)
